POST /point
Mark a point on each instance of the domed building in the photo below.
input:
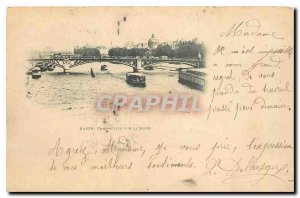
(153, 42)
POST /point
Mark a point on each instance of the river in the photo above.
(77, 91)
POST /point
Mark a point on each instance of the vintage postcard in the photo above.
(150, 99)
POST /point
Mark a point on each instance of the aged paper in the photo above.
(147, 99)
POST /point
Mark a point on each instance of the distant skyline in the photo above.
(126, 44)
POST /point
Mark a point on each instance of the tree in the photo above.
(189, 49)
(124, 52)
(163, 50)
(184, 49)
(87, 52)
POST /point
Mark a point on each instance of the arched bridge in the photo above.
(70, 61)
(191, 62)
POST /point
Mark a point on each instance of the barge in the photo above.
(194, 78)
(136, 79)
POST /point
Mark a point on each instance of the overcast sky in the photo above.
(62, 29)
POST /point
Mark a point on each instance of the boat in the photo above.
(103, 67)
(39, 64)
(51, 67)
(35, 70)
(194, 78)
(149, 67)
(42, 66)
(36, 73)
(43, 69)
(136, 79)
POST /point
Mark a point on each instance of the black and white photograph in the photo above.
(148, 97)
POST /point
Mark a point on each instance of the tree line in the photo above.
(87, 52)
(184, 49)
(124, 52)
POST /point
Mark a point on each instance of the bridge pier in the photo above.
(135, 69)
(65, 69)
(137, 65)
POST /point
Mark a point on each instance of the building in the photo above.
(103, 51)
(129, 45)
(142, 46)
(153, 42)
(172, 44)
